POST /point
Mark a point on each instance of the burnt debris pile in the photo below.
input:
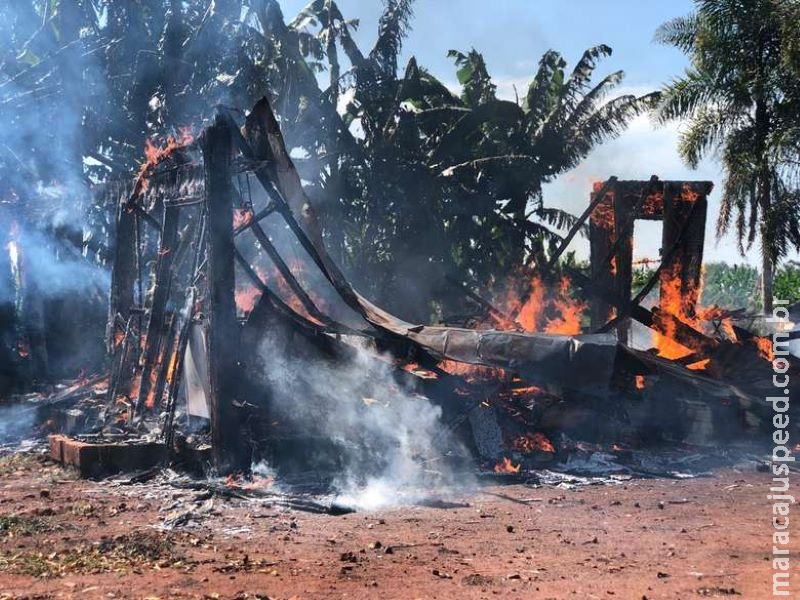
(236, 342)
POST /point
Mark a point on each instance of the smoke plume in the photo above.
(393, 445)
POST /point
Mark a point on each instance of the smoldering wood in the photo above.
(258, 217)
(122, 296)
(621, 252)
(585, 364)
(600, 243)
(684, 226)
(217, 147)
(153, 356)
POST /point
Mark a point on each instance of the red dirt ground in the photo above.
(643, 539)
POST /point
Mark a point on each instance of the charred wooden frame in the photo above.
(682, 207)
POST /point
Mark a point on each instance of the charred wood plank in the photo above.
(123, 275)
(223, 330)
(156, 330)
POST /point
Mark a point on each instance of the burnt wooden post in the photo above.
(622, 267)
(123, 272)
(223, 330)
(156, 330)
(124, 275)
(601, 232)
(687, 260)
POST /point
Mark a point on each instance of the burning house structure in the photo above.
(220, 274)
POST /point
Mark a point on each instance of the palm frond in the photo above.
(545, 88)
(685, 95)
(392, 29)
(680, 32)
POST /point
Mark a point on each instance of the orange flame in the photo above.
(506, 466)
(154, 154)
(569, 310)
(765, 348)
(679, 304)
(555, 313)
(700, 365)
(533, 442)
(119, 336)
(526, 391)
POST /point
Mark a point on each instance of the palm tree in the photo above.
(739, 98)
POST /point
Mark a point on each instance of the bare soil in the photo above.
(709, 537)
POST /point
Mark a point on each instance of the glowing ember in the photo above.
(506, 466)
(640, 382)
(526, 391)
(532, 442)
(135, 386)
(119, 336)
(765, 348)
(246, 299)
(415, 369)
(700, 365)
(471, 372)
(238, 481)
(242, 217)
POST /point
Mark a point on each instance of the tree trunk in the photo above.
(767, 273)
(766, 277)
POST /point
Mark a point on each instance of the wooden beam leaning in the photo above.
(287, 274)
(223, 332)
(683, 333)
(329, 270)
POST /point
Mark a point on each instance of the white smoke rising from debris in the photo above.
(16, 423)
(394, 447)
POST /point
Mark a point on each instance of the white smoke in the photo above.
(16, 423)
(394, 447)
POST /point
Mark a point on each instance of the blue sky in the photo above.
(513, 34)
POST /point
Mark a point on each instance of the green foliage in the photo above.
(787, 283)
(740, 99)
(730, 287)
(736, 286)
(413, 183)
